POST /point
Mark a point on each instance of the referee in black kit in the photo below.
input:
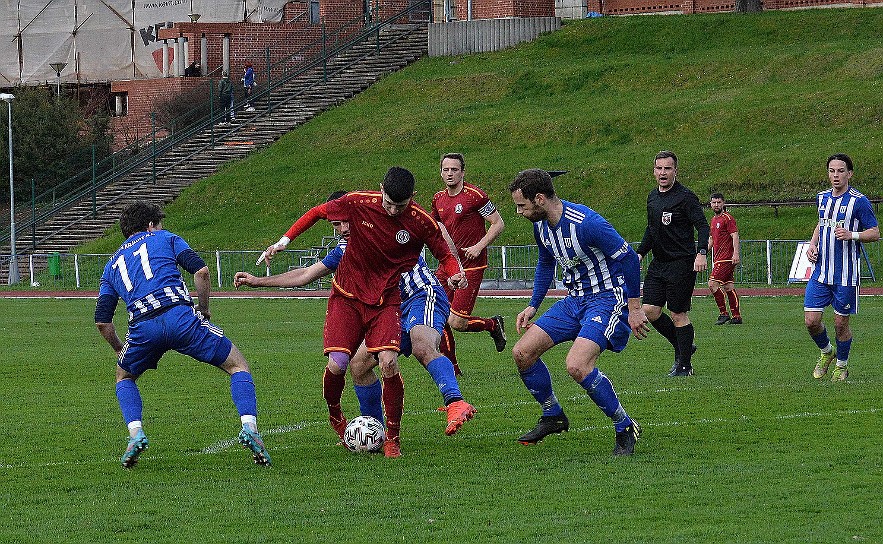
(673, 213)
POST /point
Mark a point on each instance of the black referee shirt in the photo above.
(671, 218)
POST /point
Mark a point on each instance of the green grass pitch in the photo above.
(751, 449)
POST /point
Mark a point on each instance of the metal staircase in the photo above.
(163, 171)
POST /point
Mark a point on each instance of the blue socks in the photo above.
(843, 349)
(243, 393)
(821, 339)
(442, 371)
(600, 390)
(370, 400)
(539, 383)
(130, 400)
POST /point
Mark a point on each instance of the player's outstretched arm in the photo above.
(293, 278)
(300, 226)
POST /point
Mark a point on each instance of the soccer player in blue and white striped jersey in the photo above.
(603, 306)
(846, 219)
(144, 273)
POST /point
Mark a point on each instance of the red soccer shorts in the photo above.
(722, 272)
(349, 320)
(463, 300)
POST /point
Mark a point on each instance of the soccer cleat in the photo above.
(676, 367)
(824, 362)
(459, 412)
(252, 440)
(680, 370)
(723, 318)
(392, 449)
(545, 426)
(339, 425)
(735, 321)
(136, 446)
(625, 439)
(840, 374)
(499, 333)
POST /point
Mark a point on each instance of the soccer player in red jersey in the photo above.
(724, 246)
(463, 209)
(387, 234)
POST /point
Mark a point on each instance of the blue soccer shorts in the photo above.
(179, 329)
(602, 318)
(842, 298)
(428, 307)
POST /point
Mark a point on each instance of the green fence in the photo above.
(764, 262)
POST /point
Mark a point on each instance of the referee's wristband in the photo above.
(856, 235)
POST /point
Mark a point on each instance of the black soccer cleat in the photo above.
(674, 367)
(625, 439)
(735, 321)
(680, 370)
(545, 426)
(723, 318)
(499, 333)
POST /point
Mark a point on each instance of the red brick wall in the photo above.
(494, 9)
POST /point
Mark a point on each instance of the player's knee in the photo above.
(457, 323)
(338, 362)
(389, 367)
(524, 356)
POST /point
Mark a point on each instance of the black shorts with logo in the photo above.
(670, 284)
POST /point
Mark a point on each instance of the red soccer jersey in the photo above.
(464, 216)
(723, 225)
(381, 247)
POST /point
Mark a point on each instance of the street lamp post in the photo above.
(14, 277)
(58, 67)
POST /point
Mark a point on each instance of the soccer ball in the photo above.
(364, 433)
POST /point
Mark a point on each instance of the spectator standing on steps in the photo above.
(249, 83)
(225, 92)
(673, 214)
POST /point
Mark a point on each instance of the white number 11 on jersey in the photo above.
(120, 265)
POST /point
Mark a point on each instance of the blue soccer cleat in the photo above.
(136, 446)
(252, 440)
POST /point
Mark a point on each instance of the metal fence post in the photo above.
(153, 145)
(769, 262)
(94, 187)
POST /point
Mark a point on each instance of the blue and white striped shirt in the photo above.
(593, 256)
(839, 261)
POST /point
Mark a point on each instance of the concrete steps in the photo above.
(295, 102)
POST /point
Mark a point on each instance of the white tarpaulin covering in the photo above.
(102, 40)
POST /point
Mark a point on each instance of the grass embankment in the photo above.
(753, 104)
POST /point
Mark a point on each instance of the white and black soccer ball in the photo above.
(364, 433)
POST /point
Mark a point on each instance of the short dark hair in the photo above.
(455, 156)
(533, 182)
(665, 154)
(398, 184)
(136, 217)
(335, 195)
(717, 195)
(840, 157)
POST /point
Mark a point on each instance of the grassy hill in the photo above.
(752, 104)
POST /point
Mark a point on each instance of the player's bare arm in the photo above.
(203, 282)
(496, 228)
(736, 258)
(293, 278)
(109, 333)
